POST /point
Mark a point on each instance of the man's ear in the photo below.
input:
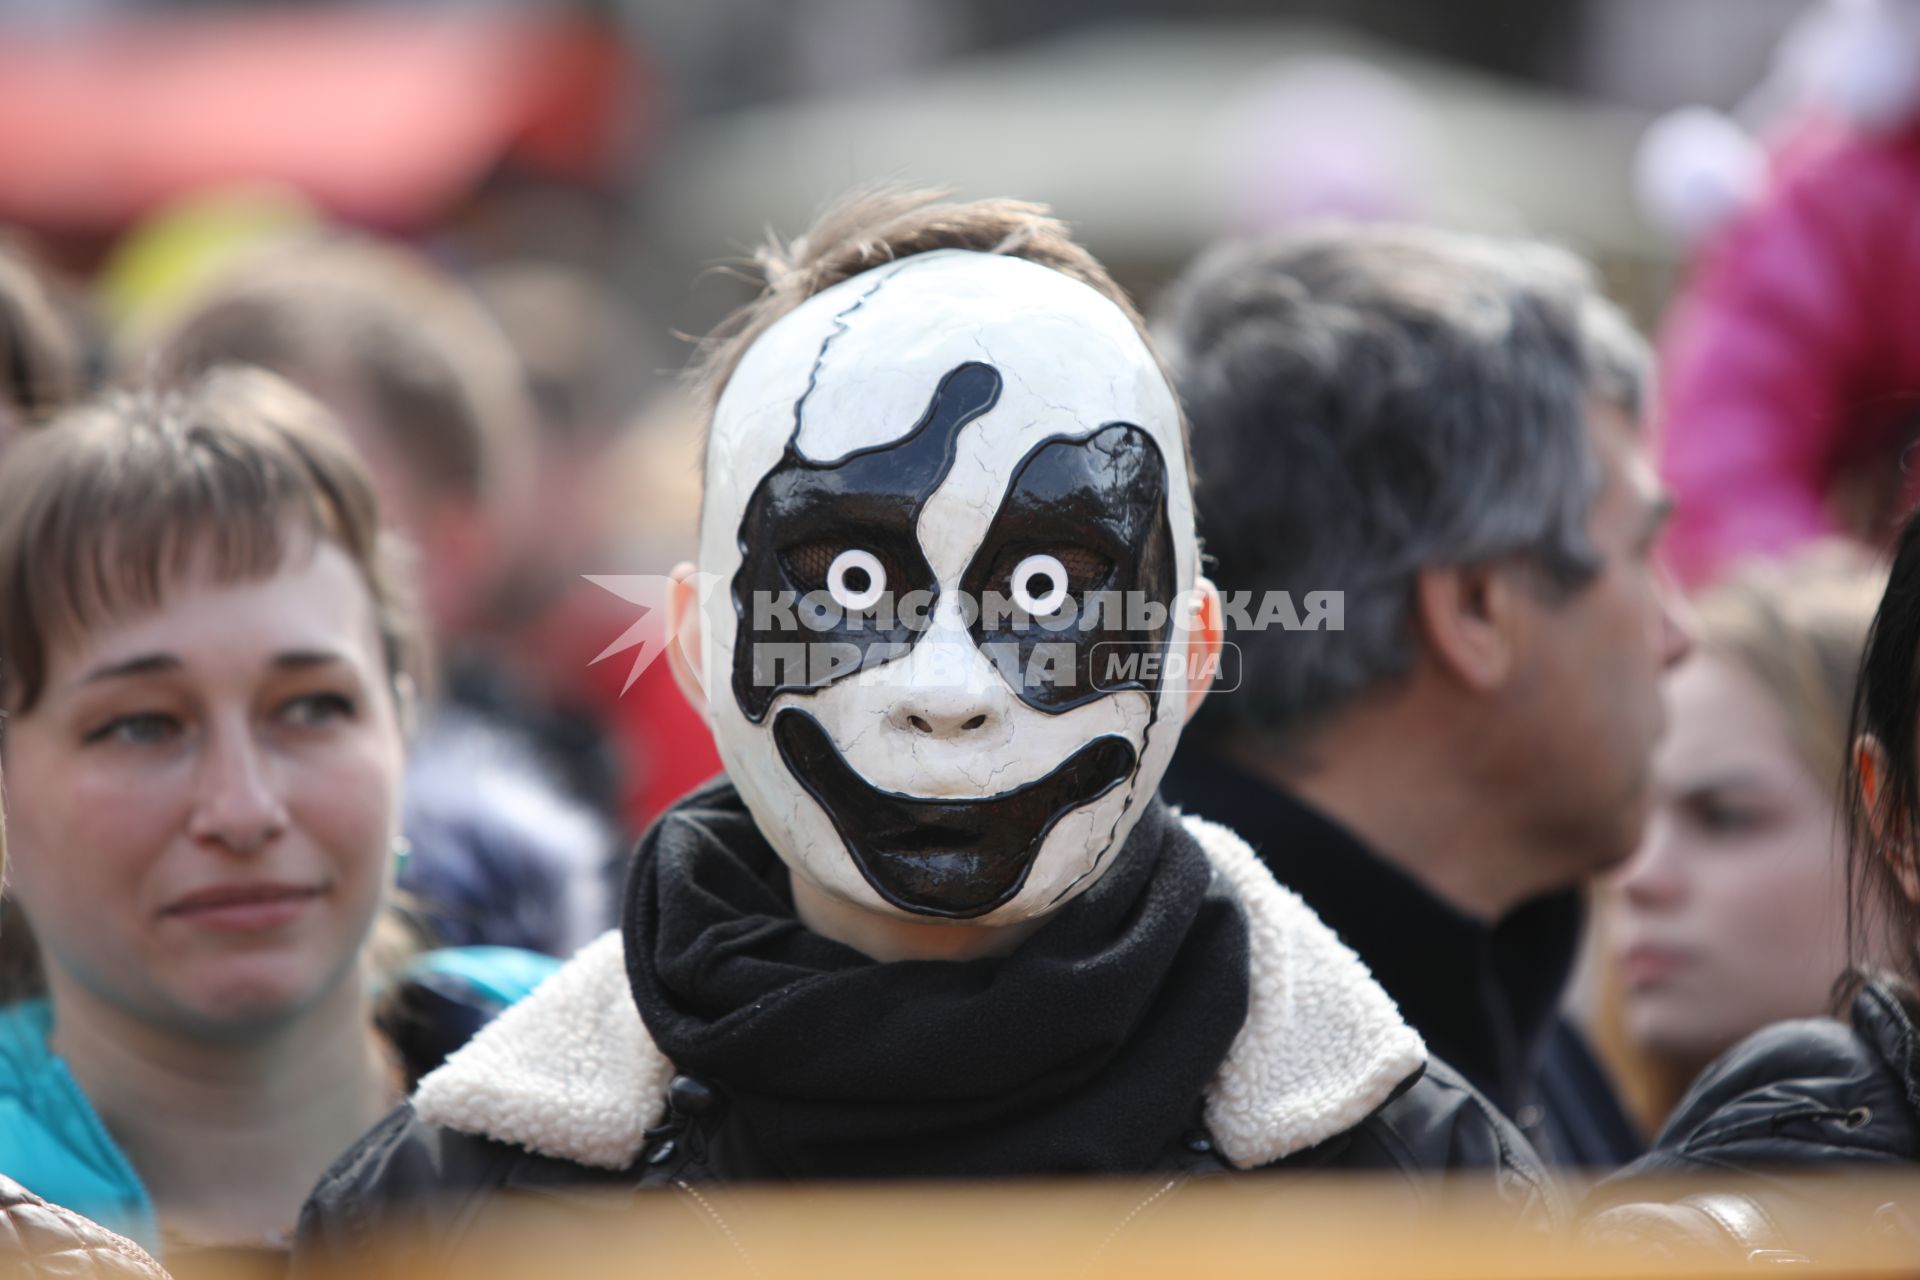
(1473, 620)
(1891, 832)
(683, 636)
(1204, 639)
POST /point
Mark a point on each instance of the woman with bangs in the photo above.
(206, 670)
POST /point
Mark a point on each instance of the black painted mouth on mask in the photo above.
(956, 858)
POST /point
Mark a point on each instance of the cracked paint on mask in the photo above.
(952, 416)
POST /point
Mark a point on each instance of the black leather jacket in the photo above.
(1797, 1097)
(1323, 1075)
(434, 1183)
(1813, 1092)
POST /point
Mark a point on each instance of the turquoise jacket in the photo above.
(53, 1142)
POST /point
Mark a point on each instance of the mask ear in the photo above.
(684, 637)
(1204, 630)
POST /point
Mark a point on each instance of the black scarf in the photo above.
(1087, 1050)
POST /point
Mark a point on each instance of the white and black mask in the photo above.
(918, 483)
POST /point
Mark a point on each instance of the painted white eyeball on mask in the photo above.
(1040, 584)
(856, 580)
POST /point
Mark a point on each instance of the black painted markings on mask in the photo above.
(954, 858)
(871, 499)
(1098, 505)
(1097, 502)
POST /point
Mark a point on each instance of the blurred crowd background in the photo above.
(534, 202)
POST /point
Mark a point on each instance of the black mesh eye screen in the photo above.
(1099, 498)
(871, 499)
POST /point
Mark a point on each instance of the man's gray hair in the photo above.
(1367, 402)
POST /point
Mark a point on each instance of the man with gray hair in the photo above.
(1444, 429)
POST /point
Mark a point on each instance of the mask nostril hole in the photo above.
(975, 723)
(920, 724)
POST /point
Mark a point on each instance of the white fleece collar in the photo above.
(571, 1072)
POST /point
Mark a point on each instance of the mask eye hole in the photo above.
(809, 563)
(1039, 584)
(856, 580)
(816, 566)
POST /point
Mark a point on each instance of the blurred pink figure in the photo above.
(1792, 355)
(1792, 358)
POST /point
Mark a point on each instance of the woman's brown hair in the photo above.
(103, 507)
(1799, 626)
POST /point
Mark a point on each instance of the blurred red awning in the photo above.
(380, 117)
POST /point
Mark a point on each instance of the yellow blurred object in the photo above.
(1338, 1227)
(164, 262)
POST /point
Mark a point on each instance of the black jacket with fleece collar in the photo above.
(570, 1088)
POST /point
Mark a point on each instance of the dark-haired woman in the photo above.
(1821, 1094)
